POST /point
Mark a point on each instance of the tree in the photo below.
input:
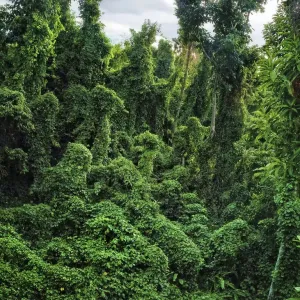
(29, 44)
(137, 79)
(164, 59)
(17, 126)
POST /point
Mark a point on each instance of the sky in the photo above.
(121, 15)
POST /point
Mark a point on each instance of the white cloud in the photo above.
(134, 6)
(132, 13)
(117, 32)
(258, 21)
(120, 15)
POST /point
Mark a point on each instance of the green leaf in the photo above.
(222, 283)
(273, 75)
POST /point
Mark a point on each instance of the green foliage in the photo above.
(30, 44)
(150, 149)
(45, 110)
(184, 256)
(130, 172)
(192, 15)
(90, 117)
(16, 128)
(14, 109)
(164, 59)
(69, 176)
(136, 82)
(230, 239)
(95, 45)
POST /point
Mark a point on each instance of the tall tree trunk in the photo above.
(214, 111)
(274, 277)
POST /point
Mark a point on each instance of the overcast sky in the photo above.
(121, 15)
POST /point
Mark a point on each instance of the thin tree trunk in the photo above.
(248, 17)
(277, 265)
(214, 111)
